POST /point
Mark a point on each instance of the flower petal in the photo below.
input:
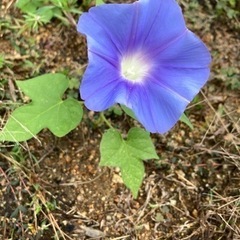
(185, 82)
(107, 27)
(157, 108)
(187, 51)
(158, 23)
(103, 46)
(99, 88)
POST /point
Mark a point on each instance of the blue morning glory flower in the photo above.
(143, 56)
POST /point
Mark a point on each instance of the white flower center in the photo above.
(134, 68)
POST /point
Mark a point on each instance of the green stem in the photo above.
(105, 120)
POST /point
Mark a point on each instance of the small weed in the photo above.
(40, 12)
(4, 61)
(222, 10)
(231, 77)
(228, 8)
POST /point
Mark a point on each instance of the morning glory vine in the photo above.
(142, 57)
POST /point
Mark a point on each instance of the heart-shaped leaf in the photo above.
(46, 110)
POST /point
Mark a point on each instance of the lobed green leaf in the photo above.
(128, 155)
(46, 110)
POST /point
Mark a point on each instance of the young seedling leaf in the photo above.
(99, 2)
(128, 111)
(46, 110)
(128, 155)
(186, 120)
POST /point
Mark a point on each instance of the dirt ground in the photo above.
(54, 188)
